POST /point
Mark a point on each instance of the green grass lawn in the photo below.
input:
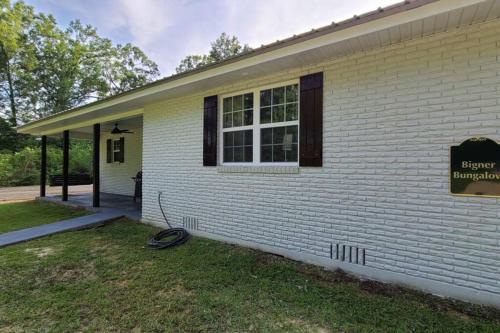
(22, 215)
(104, 280)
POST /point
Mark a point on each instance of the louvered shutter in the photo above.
(311, 120)
(210, 131)
(109, 151)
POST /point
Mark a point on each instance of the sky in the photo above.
(168, 30)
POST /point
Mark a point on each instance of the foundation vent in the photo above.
(348, 253)
(190, 223)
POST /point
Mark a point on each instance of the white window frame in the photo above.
(257, 126)
(114, 150)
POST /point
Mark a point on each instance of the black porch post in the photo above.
(95, 166)
(43, 165)
(65, 165)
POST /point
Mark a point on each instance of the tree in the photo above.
(45, 69)
(223, 47)
(13, 21)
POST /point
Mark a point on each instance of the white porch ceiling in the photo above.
(431, 18)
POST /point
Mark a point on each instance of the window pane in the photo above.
(248, 117)
(238, 154)
(265, 97)
(228, 120)
(238, 146)
(265, 115)
(238, 138)
(248, 137)
(291, 93)
(291, 112)
(266, 153)
(293, 130)
(228, 139)
(228, 104)
(248, 101)
(291, 153)
(278, 153)
(278, 113)
(238, 103)
(266, 136)
(278, 135)
(278, 95)
(237, 118)
(228, 154)
(248, 154)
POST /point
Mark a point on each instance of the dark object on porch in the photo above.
(74, 179)
(138, 186)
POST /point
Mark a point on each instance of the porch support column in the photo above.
(43, 165)
(95, 166)
(65, 165)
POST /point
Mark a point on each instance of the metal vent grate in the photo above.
(348, 253)
(190, 223)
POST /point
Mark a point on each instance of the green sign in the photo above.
(475, 168)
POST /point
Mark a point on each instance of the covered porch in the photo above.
(108, 203)
(116, 163)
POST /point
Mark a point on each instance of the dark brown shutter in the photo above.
(210, 131)
(109, 151)
(122, 150)
(311, 120)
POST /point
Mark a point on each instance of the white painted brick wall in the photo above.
(116, 177)
(390, 116)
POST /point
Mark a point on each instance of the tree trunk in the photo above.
(13, 111)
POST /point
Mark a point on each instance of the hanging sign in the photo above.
(475, 168)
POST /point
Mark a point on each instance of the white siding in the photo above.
(390, 116)
(116, 177)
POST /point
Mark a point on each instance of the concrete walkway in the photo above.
(77, 223)
(32, 192)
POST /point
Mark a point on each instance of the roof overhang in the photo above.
(405, 21)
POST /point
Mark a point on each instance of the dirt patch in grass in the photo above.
(71, 273)
(41, 252)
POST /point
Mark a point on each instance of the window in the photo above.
(238, 110)
(279, 144)
(267, 135)
(116, 150)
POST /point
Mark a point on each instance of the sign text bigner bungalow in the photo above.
(475, 176)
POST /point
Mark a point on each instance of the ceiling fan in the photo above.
(116, 130)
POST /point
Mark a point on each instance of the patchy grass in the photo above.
(104, 280)
(15, 216)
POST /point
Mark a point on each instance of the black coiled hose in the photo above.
(177, 236)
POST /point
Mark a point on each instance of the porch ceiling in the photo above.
(85, 132)
(370, 31)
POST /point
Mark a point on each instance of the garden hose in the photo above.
(180, 235)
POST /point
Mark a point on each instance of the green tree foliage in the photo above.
(23, 167)
(45, 69)
(10, 141)
(223, 47)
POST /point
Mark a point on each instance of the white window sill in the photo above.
(262, 169)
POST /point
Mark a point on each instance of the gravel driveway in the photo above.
(31, 192)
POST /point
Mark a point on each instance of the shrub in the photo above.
(23, 167)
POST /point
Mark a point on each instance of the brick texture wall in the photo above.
(390, 117)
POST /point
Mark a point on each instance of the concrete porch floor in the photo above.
(109, 203)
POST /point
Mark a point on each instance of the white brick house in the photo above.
(400, 86)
